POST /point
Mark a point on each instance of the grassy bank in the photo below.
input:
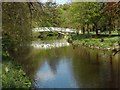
(13, 76)
(101, 41)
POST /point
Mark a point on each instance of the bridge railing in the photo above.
(53, 29)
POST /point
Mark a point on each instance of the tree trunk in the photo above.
(110, 26)
(83, 30)
(96, 30)
(87, 28)
(110, 32)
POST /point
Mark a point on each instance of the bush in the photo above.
(13, 76)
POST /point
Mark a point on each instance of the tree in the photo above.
(65, 16)
(17, 27)
(86, 13)
(112, 11)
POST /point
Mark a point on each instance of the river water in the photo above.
(72, 67)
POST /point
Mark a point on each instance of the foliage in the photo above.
(13, 76)
(112, 11)
(16, 39)
(49, 16)
(65, 16)
(91, 16)
(46, 36)
(16, 27)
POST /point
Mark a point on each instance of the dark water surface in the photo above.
(69, 67)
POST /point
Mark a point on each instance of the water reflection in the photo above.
(93, 69)
(47, 78)
(66, 67)
(48, 44)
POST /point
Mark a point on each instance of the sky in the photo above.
(57, 1)
(62, 1)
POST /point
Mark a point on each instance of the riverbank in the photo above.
(47, 36)
(99, 42)
(13, 75)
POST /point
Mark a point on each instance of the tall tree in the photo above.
(112, 11)
(86, 13)
(17, 27)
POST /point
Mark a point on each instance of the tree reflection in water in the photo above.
(72, 68)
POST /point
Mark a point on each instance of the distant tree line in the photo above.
(91, 16)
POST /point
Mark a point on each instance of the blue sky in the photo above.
(57, 1)
(62, 1)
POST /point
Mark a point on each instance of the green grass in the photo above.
(115, 32)
(96, 41)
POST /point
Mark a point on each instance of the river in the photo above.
(67, 66)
